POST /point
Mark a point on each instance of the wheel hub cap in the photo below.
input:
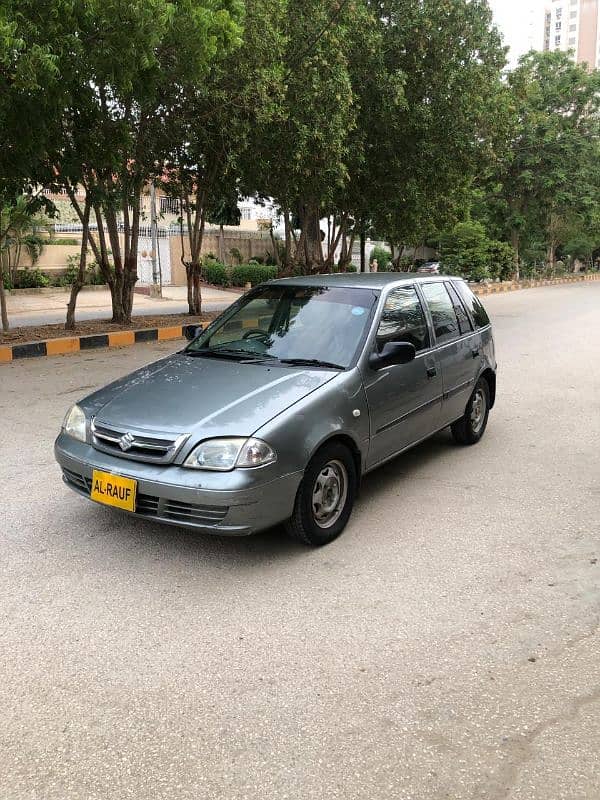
(329, 494)
(478, 411)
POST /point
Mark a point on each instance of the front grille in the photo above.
(150, 506)
(147, 505)
(160, 448)
(78, 481)
(190, 512)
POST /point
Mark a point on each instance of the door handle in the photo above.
(475, 352)
(431, 372)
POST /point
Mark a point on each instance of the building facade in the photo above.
(574, 25)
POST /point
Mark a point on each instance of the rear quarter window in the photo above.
(472, 304)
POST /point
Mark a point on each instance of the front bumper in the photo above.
(235, 503)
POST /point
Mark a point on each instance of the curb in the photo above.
(46, 290)
(513, 286)
(74, 344)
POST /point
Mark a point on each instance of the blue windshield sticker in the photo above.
(358, 311)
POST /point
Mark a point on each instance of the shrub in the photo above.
(235, 253)
(214, 272)
(252, 273)
(501, 260)
(406, 264)
(384, 258)
(95, 277)
(31, 279)
(467, 251)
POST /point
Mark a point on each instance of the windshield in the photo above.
(291, 323)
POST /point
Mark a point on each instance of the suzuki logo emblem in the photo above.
(126, 442)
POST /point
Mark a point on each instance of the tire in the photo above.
(325, 496)
(469, 429)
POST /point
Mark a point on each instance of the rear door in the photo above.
(404, 400)
(457, 346)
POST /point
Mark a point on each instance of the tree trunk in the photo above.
(515, 242)
(221, 244)
(551, 256)
(313, 241)
(363, 251)
(79, 281)
(288, 238)
(276, 257)
(3, 311)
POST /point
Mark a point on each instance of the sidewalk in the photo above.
(44, 309)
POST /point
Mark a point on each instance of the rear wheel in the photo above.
(471, 426)
(325, 497)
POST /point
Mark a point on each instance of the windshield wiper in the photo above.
(310, 362)
(229, 354)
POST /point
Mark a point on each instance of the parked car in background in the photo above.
(276, 411)
(429, 268)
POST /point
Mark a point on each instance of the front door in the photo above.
(405, 399)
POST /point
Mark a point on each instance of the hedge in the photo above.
(252, 273)
(220, 275)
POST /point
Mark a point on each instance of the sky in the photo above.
(521, 22)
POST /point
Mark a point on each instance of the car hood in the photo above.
(202, 396)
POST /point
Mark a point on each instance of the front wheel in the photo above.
(471, 426)
(325, 497)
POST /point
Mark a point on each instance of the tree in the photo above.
(550, 169)
(424, 161)
(215, 125)
(301, 158)
(121, 77)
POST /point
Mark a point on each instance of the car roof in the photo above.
(359, 280)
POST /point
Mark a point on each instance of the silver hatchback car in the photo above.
(275, 412)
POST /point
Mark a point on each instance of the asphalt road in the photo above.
(446, 646)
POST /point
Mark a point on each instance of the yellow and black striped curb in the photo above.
(513, 286)
(74, 344)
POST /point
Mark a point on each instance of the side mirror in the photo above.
(393, 353)
(192, 331)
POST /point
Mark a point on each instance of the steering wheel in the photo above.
(257, 333)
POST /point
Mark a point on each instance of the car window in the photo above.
(403, 320)
(292, 322)
(464, 323)
(473, 304)
(445, 322)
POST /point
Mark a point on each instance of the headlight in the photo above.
(225, 454)
(74, 424)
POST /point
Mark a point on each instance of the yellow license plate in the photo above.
(113, 490)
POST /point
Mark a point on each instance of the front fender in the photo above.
(337, 409)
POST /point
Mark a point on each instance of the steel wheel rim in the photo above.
(329, 494)
(478, 409)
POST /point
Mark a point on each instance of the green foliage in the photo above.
(252, 273)
(218, 274)
(215, 273)
(466, 250)
(30, 279)
(549, 172)
(501, 260)
(580, 246)
(235, 253)
(383, 258)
